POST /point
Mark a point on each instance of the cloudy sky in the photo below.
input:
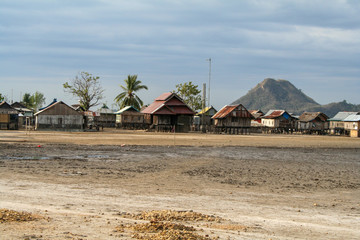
(314, 44)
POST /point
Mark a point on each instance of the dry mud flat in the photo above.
(99, 192)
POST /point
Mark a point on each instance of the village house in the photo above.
(8, 117)
(130, 118)
(26, 115)
(313, 122)
(203, 118)
(233, 119)
(352, 125)
(337, 124)
(107, 117)
(167, 113)
(278, 121)
(91, 120)
(59, 116)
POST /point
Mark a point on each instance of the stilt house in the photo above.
(279, 121)
(352, 125)
(130, 118)
(8, 117)
(313, 122)
(169, 111)
(233, 119)
(337, 124)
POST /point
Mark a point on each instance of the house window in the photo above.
(60, 121)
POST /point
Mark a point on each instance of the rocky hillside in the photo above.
(281, 94)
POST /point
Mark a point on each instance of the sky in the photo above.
(314, 44)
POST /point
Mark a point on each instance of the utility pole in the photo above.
(209, 59)
(202, 123)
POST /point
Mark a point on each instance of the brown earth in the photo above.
(86, 185)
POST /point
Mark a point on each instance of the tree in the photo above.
(190, 94)
(27, 100)
(2, 98)
(37, 100)
(87, 88)
(129, 97)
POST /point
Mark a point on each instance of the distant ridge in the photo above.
(282, 94)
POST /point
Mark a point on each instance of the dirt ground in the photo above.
(86, 185)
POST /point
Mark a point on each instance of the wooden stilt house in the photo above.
(233, 119)
(167, 113)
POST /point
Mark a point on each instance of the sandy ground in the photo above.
(274, 186)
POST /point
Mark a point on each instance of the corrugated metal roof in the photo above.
(274, 113)
(223, 112)
(207, 109)
(105, 111)
(126, 109)
(256, 113)
(238, 111)
(352, 118)
(340, 116)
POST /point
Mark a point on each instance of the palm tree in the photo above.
(128, 97)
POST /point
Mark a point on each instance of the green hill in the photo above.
(281, 94)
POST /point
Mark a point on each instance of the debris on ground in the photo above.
(7, 215)
(162, 231)
(172, 215)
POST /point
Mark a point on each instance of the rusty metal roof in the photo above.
(223, 112)
(256, 113)
(226, 110)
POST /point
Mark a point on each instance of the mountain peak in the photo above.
(282, 94)
(276, 94)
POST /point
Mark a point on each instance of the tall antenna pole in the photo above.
(209, 59)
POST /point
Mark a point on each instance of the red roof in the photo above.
(164, 96)
(169, 104)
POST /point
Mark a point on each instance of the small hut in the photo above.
(26, 115)
(107, 117)
(130, 118)
(8, 117)
(204, 118)
(233, 119)
(313, 122)
(59, 116)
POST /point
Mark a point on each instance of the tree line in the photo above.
(88, 90)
